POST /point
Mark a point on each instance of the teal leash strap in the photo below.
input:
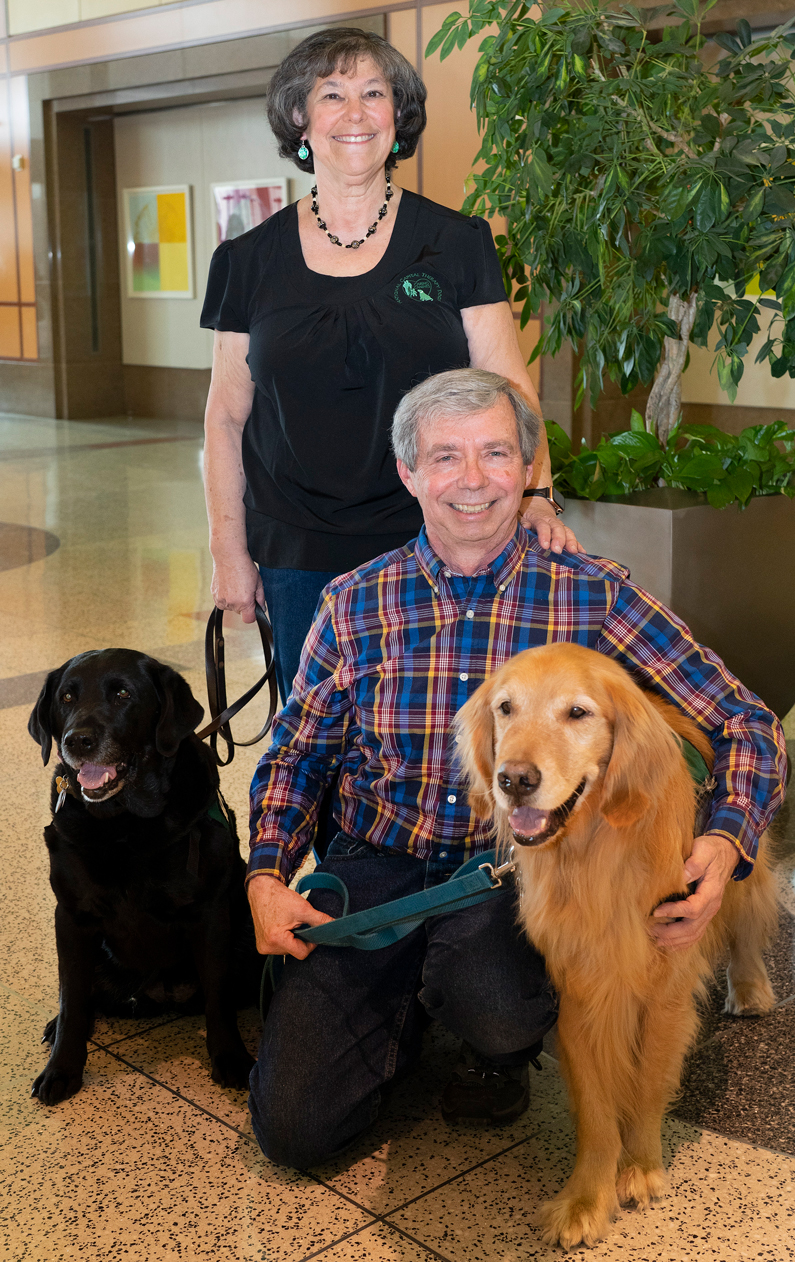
(378, 927)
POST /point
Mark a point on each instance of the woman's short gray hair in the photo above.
(338, 49)
(461, 392)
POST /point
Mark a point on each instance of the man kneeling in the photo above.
(395, 650)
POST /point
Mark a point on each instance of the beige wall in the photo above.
(200, 145)
(757, 389)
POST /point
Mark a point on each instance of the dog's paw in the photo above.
(54, 1085)
(50, 1031)
(638, 1187)
(231, 1069)
(572, 1220)
(750, 999)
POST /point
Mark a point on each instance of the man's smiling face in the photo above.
(469, 479)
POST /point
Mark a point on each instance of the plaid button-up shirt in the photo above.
(398, 646)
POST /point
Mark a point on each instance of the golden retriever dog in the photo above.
(583, 774)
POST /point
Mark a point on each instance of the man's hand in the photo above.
(711, 864)
(538, 514)
(277, 911)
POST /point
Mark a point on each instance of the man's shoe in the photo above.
(481, 1091)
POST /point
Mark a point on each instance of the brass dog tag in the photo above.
(62, 785)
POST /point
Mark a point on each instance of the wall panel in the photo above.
(451, 137)
(30, 340)
(9, 287)
(20, 130)
(402, 33)
(10, 343)
(38, 15)
(757, 387)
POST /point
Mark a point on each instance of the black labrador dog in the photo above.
(144, 863)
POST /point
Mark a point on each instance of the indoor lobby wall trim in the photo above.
(172, 28)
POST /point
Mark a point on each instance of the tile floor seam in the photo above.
(103, 1047)
(453, 1178)
(237, 1131)
(173, 1091)
(401, 1231)
(733, 1139)
(344, 1196)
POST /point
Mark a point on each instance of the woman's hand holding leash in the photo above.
(237, 586)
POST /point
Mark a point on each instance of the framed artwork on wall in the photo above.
(159, 241)
(244, 204)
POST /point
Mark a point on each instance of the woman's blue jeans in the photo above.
(291, 597)
(344, 1022)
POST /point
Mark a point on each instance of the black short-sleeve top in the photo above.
(331, 357)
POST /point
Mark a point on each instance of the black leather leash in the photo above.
(214, 665)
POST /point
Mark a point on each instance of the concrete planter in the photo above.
(730, 575)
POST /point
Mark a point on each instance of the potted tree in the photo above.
(647, 177)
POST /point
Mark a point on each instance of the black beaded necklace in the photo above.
(353, 245)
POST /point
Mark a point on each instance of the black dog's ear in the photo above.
(40, 721)
(180, 712)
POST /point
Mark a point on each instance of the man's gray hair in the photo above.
(461, 392)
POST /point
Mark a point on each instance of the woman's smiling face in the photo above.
(351, 120)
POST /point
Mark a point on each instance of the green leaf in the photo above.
(580, 65)
(448, 45)
(707, 208)
(744, 32)
(581, 42)
(441, 34)
(724, 373)
(753, 207)
(741, 484)
(720, 496)
(727, 42)
(636, 421)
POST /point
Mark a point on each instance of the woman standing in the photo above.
(325, 315)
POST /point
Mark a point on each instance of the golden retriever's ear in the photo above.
(474, 727)
(634, 769)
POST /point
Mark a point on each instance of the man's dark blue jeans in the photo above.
(344, 1022)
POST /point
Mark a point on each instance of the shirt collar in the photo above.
(502, 568)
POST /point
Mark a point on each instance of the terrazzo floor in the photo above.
(104, 542)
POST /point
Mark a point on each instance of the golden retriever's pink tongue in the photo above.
(92, 775)
(528, 822)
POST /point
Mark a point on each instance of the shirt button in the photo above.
(447, 573)
(451, 798)
(502, 587)
(470, 613)
(442, 854)
(463, 677)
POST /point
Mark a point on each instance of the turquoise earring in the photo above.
(303, 152)
(396, 147)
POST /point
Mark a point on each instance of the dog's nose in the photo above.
(518, 779)
(81, 741)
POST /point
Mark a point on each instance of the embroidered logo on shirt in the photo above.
(419, 287)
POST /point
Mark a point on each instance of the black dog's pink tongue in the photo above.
(92, 775)
(528, 822)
